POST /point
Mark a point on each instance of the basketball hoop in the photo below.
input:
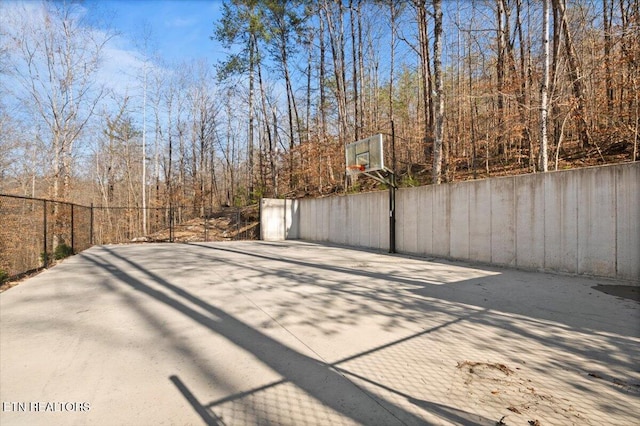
(365, 156)
(356, 167)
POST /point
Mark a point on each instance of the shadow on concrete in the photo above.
(520, 298)
(313, 377)
(538, 301)
(477, 301)
(623, 291)
(205, 415)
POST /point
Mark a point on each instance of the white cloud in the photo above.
(120, 68)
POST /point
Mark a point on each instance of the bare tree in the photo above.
(544, 88)
(334, 18)
(436, 174)
(575, 73)
(242, 24)
(425, 73)
(55, 61)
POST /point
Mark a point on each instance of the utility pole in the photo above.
(144, 152)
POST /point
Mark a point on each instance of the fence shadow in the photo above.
(393, 293)
(309, 385)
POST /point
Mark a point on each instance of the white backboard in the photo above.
(366, 155)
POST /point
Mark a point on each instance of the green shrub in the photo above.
(49, 257)
(62, 251)
(4, 276)
(354, 188)
(410, 181)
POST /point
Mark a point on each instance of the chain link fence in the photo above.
(115, 225)
(37, 232)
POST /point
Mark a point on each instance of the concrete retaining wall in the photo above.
(583, 221)
(279, 219)
(355, 220)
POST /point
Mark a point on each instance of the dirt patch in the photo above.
(227, 225)
(519, 399)
(482, 367)
(7, 285)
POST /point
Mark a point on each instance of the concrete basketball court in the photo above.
(297, 333)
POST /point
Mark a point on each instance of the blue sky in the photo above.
(180, 29)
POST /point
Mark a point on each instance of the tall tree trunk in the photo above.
(607, 12)
(555, 73)
(271, 155)
(439, 93)
(575, 73)
(322, 77)
(336, 38)
(168, 167)
(425, 73)
(361, 68)
(354, 59)
(250, 154)
(544, 88)
(307, 118)
(322, 137)
(523, 97)
(392, 51)
(501, 37)
(143, 184)
(292, 112)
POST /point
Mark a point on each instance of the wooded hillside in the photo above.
(461, 89)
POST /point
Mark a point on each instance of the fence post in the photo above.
(91, 225)
(170, 223)
(73, 246)
(45, 256)
(206, 224)
(392, 213)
